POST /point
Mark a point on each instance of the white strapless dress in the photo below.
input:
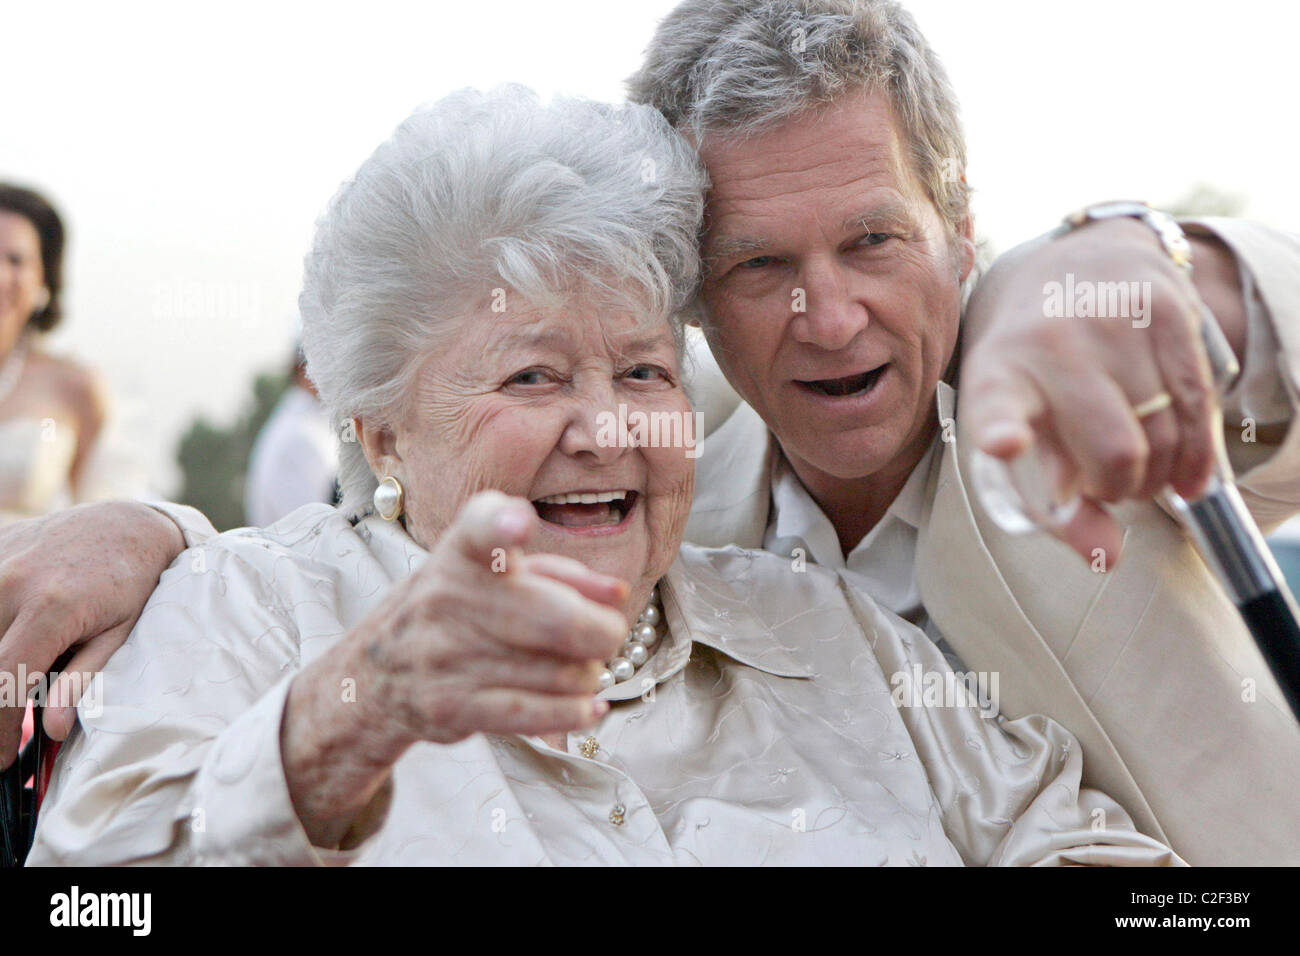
(35, 460)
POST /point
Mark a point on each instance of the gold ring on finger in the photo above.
(1157, 403)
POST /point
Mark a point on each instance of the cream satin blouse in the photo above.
(765, 729)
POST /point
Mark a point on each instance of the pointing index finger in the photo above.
(1000, 406)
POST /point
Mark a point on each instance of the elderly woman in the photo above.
(496, 650)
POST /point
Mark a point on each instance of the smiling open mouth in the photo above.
(858, 384)
(586, 509)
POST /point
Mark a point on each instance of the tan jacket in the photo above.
(1148, 664)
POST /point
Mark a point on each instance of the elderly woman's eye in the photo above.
(531, 376)
(648, 373)
(758, 262)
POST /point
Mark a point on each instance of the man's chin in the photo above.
(845, 457)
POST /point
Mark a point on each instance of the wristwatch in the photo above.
(1223, 362)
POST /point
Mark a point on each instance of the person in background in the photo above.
(294, 461)
(52, 410)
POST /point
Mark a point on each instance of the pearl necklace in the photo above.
(642, 636)
(12, 369)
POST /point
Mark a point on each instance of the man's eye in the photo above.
(874, 238)
(758, 262)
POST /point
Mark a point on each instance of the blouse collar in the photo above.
(708, 598)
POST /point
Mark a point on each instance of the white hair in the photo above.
(479, 192)
(739, 66)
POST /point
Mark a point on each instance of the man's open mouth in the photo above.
(586, 509)
(858, 384)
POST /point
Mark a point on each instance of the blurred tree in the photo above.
(1203, 199)
(214, 460)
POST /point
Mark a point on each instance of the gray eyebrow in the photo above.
(646, 343)
(886, 213)
(522, 338)
(729, 246)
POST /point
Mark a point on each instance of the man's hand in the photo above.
(77, 578)
(1065, 337)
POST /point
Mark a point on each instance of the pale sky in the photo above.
(192, 146)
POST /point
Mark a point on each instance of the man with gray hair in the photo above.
(838, 240)
(839, 251)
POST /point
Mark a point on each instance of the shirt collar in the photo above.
(705, 601)
(394, 549)
(797, 520)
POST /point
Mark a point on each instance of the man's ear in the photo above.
(378, 444)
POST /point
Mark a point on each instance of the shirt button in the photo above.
(589, 748)
(618, 815)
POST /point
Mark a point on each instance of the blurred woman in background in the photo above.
(52, 410)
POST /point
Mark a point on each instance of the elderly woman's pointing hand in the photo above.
(481, 639)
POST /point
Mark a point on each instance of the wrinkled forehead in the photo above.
(862, 118)
(834, 152)
(505, 324)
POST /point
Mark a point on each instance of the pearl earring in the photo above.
(388, 498)
(42, 299)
